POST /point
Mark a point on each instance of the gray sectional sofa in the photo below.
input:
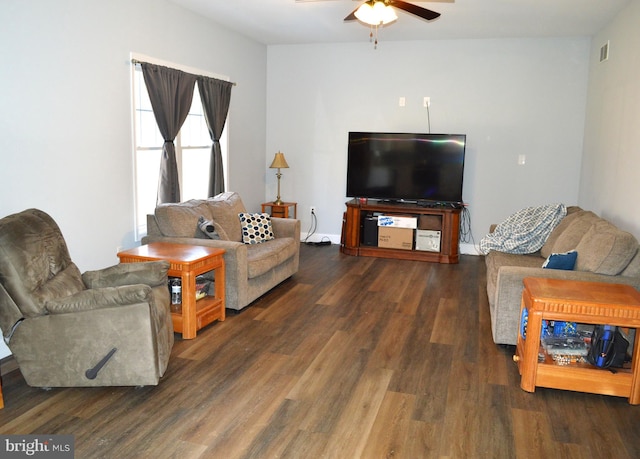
(605, 254)
(251, 270)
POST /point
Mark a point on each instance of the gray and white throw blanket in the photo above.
(526, 231)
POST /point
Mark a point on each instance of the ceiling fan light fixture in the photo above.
(365, 14)
(375, 13)
(387, 14)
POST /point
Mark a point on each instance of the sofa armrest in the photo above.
(286, 227)
(99, 298)
(151, 273)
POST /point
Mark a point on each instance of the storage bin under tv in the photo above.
(442, 218)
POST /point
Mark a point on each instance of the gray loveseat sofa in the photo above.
(605, 254)
(251, 270)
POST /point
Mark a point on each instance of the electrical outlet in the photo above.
(426, 101)
(313, 209)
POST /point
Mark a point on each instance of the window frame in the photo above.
(140, 223)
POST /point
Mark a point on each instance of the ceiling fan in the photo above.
(406, 6)
(419, 11)
(376, 13)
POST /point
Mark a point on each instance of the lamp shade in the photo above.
(279, 162)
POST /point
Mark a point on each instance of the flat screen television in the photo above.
(406, 167)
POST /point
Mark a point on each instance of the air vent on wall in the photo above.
(604, 52)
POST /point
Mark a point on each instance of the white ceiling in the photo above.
(321, 21)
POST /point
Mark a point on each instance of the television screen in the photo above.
(409, 167)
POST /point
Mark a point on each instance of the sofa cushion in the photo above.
(263, 257)
(181, 219)
(572, 214)
(569, 233)
(256, 228)
(605, 249)
(224, 209)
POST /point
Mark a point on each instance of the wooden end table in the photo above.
(582, 302)
(281, 210)
(187, 262)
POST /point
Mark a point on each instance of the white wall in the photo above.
(510, 96)
(65, 115)
(610, 181)
(66, 110)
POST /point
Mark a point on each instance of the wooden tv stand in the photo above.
(447, 221)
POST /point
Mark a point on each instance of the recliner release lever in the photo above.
(92, 373)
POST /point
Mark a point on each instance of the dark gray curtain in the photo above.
(215, 96)
(171, 94)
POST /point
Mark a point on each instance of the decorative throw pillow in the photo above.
(208, 228)
(566, 261)
(256, 228)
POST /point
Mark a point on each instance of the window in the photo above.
(193, 152)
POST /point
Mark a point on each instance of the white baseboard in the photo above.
(469, 249)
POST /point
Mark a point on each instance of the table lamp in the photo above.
(278, 163)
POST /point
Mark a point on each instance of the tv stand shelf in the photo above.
(352, 231)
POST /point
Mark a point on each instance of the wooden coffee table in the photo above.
(582, 302)
(187, 262)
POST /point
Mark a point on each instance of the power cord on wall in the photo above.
(312, 229)
(466, 235)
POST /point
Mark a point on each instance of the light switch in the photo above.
(522, 159)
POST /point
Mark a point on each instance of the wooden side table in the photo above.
(187, 262)
(281, 210)
(582, 302)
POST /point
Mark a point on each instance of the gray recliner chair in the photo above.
(110, 327)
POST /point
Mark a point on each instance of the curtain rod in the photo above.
(136, 61)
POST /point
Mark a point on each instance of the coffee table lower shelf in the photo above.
(579, 377)
(208, 310)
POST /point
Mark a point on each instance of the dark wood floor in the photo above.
(351, 358)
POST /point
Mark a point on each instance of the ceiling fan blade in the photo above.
(414, 9)
(352, 16)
